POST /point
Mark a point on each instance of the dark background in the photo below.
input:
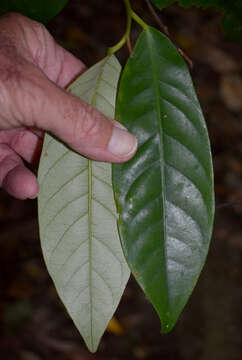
(33, 322)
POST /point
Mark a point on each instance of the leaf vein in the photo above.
(104, 99)
(74, 273)
(102, 180)
(183, 242)
(108, 83)
(150, 139)
(111, 252)
(188, 214)
(104, 207)
(112, 66)
(142, 234)
(81, 82)
(106, 283)
(71, 254)
(139, 176)
(185, 176)
(63, 185)
(183, 112)
(193, 154)
(79, 294)
(182, 94)
(178, 262)
(53, 166)
(84, 93)
(65, 232)
(64, 207)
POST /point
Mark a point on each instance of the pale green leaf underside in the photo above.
(77, 218)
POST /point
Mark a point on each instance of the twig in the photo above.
(129, 46)
(165, 30)
(229, 203)
(186, 57)
(163, 27)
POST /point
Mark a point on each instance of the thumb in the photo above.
(81, 126)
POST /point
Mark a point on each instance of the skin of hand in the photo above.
(34, 71)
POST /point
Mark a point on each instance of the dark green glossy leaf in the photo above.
(165, 193)
(232, 11)
(40, 10)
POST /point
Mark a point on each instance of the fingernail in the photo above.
(120, 126)
(122, 143)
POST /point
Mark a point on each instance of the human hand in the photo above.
(33, 72)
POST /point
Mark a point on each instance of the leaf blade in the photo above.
(77, 218)
(160, 190)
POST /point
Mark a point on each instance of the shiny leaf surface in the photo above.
(165, 193)
(78, 221)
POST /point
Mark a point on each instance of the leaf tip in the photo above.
(167, 322)
(166, 327)
(92, 345)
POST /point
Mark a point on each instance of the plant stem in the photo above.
(163, 27)
(139, 20)
(125, 38)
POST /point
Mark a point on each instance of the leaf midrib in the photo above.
(90, 197)
(161, 152)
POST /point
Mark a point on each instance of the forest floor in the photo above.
(34, 324)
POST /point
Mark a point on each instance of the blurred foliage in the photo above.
(40, 10)
(17, 314)
(232, 10)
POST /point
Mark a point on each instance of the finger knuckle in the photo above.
(84, 121)
(18, 139)
(8, 160)
(10, 79)
(20, 88)
(16, 92)
(4, 152)
(89, 124)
